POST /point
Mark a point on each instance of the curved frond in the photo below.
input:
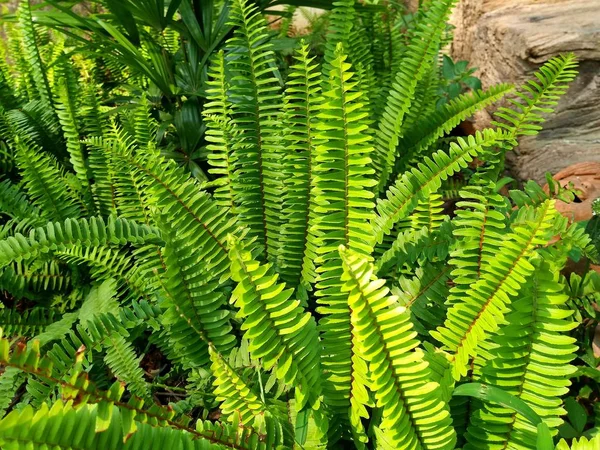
(280, 332)
(425, 179)
(538, 96)
(195, 304)
(236, 397)
(430, 128)
(415, 63)
(502, 276)
(109, 263)
(60, 235)
(414, 414)
(531, 361)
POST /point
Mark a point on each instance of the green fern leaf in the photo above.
(28, 323)
(256, 100)
(539, 96)
(236, 397)
(415, 64)
(479, 227)
(34, 280)
(45, 182)
(32, 54)
(424, 295)
(15, 204)
(531, 361)
(342, 206)
(580, 444)
(194, 304)
(440, 123)
(469, 321)
(219, 134)
(66, 110)
(426, 178)
(399, 374)
(302, 98)
(58, 236)
(286, 335)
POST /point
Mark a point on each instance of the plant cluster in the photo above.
(313, 291)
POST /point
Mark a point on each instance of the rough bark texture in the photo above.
(508, 40)
(412, 5)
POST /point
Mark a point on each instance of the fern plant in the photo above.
(315, 294)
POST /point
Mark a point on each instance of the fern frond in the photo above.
(339, 31)
(35, 124)
(416, 244)
(428, 214)
(361, 58)
(423, 104)
(302, 97)
(45, 182)
(128, 415)
(440, 123)
(479, 228)
(219, 133)
(15, 204)
(144, 125)
(341, 206)
(31, 53)
(10, 381)
(22, 280)
(503, 274)
(61, 235)
(236, 397)
(531, 361)
(424, 295)
(414, 415)
(286, 336)
(109, 263)
(190, 211)
(78, 429)
(8, 99)
(582, 443)
(256, 100)
(90, 111)
(24, 84)
(415, 64)
(105, 331)
(66, 102)
(125, 364)
(27, 323)
(194, 303)
(538, 97)
(426, 178)
(125, 184)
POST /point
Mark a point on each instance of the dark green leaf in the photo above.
(576, 414)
